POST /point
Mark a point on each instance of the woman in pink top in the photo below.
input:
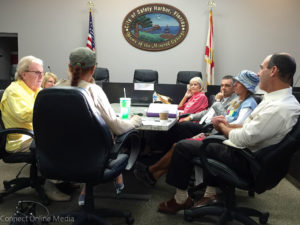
(194, 100)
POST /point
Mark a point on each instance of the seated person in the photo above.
(194, 99)
(188, 127)
(82, 67)
(17, 110)
(267, 125)
(219, 107)
(239, 109)
(49, 80)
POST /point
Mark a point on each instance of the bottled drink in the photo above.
(154, 97)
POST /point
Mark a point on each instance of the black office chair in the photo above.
(268, 166)
(4, 84)
(73, 143)
(101, 75)
(145, 76)
(19, 183)
(258, 98)
(1, 93)
(184, 77)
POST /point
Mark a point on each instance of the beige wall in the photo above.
(245, 32)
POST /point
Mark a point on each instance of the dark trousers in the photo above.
(163, 141)
(181, 167)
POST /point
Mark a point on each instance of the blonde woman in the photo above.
(49, 80)
(194, 100)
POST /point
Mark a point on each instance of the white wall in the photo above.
(245, 32)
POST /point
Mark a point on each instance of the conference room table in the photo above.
(149, 123)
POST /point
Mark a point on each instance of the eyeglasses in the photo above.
(36, 72)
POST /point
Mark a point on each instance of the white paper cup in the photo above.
(163, 116)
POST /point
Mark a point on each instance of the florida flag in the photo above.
(209, 52)
(91, 41)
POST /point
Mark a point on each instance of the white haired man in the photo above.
(17, 109)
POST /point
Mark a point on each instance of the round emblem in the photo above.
(155, 27)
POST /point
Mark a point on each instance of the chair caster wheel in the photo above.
(188, 218)
(6, 185)
(129, 220)
(263, 219)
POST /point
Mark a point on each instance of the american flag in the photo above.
(209, 52)
(91, 40)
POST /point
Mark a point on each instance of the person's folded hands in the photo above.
(136, 121)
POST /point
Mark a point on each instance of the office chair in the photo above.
(184, 77)
(1, 93)
(145, 76)
(268, 166)
(19, 183)
(74, 144)
(258, 98)
(4, 84)
(101, 75)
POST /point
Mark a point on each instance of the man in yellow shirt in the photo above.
(18, 100)
(17, 109)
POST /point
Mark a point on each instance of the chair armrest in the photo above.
(16, 157)
(208, 127)
(119, 142)
(7, 131)
(214, 139)
(133, 138)
(183, 115)
(201, 160)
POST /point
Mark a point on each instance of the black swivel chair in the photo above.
(184, 77)
(101, 75)
(145, 76)
(268, 166)
(258, 98)
(19, 183)
(73, 143)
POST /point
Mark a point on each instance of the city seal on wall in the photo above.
(155, 27)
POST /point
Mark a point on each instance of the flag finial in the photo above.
(91, 4)
(212, 4)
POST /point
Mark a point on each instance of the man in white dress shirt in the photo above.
(267, 125)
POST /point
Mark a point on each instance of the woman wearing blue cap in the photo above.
(241, 107)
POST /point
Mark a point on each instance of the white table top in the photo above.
(149, 123)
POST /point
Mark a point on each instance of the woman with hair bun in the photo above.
(82, 67)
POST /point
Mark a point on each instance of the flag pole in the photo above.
(209, 48)
(91, 38)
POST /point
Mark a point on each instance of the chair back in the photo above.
(101, 75)
(258, 98)
(2, 127)
(275, 160)
(145, 76)
(184, 77)
(72, 140)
